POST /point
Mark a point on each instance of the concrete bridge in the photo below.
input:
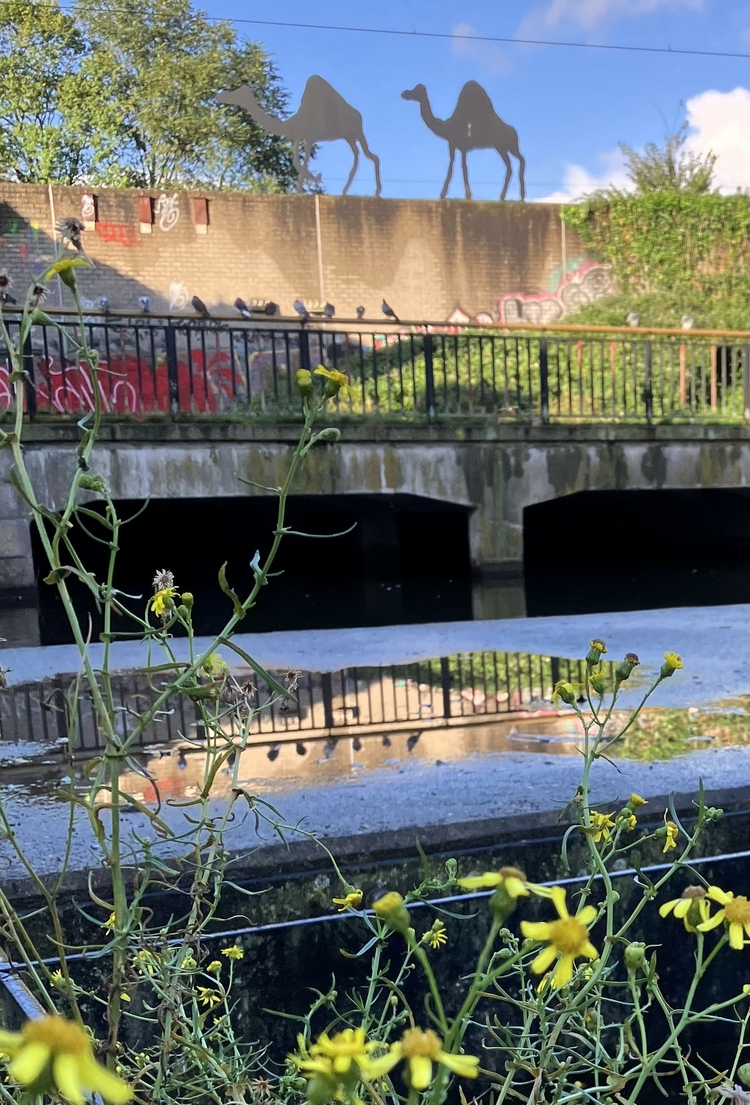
(494, 471)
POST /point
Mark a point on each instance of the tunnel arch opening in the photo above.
(597, 551)
(405, 559)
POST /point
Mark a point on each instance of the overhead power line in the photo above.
(458, 36)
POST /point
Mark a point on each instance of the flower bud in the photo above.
(624, 668)
(168, 602)
(391, 909)
(501, 903)
(713, 813)
(304, 381)
(93, 483)
(596, 650)
(743, 1073)
(565, 691)
(598, 680)
(187, 599)
(183, 611)
(635, 956)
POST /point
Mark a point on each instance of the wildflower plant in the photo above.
(563, 1002)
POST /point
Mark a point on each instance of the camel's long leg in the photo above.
(355, 150)
(374, 159)
(297, 166)
(521, 171)
(508, 170)
(465, 170)
(306, 174)
(444, 192)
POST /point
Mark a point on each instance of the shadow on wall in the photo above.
(599, 551)
(405, 561)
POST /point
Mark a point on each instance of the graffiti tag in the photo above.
(178, 297)
(118, 233)
(167, 210)
(590, 281)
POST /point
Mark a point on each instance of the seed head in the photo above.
(163, 579)
(71, 228)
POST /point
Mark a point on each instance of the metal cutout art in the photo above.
(474, 125)
(323, 116)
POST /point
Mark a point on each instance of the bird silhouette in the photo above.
(360, 312)
(144, 302)
(633, 318)
(200, 307)
(242, 307)
(271, 308)
(389, 312)
(300, 308)
(329, 310)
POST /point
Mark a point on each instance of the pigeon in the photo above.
(329, 310)
(389, 312)
(242, 307)
(300, 308)
(271, 308)
(102, 304)
(633, 318)
(200, 307)
(687, 322)
(360, 312)
(144, 302)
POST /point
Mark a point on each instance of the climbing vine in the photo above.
(669, 241)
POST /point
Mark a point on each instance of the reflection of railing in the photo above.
(434, 693)
(174, 365)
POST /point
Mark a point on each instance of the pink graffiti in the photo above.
(119, 233)
(204, 385)
(590, 281)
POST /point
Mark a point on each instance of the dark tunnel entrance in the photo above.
(405, 561)
(599, 551)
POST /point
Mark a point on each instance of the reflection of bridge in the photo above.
(491, 421)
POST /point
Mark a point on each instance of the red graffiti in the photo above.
(119, 233)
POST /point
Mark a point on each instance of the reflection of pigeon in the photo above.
(687, 322)
(301, 748)
(301, 309)
(200, 307)
(633, 318)
(242, 307)
(329, 310)
(144, 302)
(360, 312)
(389, 312)
(412, 741)
(273, 752)
(271, 308)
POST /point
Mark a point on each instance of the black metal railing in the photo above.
(155, 365)
(435, 693)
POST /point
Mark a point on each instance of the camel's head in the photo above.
(237, 97)
(417, 93)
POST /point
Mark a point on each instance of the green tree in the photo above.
(669, 168)
(162, 64)
(47, 109)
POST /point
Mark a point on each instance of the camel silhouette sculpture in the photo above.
(323, 116)
(474, 125)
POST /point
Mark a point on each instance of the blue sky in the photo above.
(569, 106)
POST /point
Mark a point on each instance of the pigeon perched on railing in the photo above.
(271, 308)
(389, 312)
(300, 308)
(242, 307)
(360, 312)
(200, 307)
(329, 310)
(687, 322)
(633, 318)
(144, 302)
(102, 304)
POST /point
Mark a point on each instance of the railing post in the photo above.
(543, 381)
(445, 683)
(170, 343)
(327, 688)
(746, 381)
(28, 367)
(429, 377)
(648, 386)
(304, 349)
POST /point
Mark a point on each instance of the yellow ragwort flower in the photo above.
(568, 938)
(673, 660)
(144, 961)
(690, 908)
(233, 953)
(208, 997)
(421, 1048)
(603, 824)
(158, 605)
(629, 820)
(110, 922)
(189, 963)
(337, 381)
(57, 979)
(53, 1053)
(635, 800)
(510, 878)
(566, 691)
(735, 911)
(353, 900)
(214, 967)
(304, 381)
(672, 832)
(334, 1056)
(436, 936)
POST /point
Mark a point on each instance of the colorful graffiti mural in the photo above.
(590, 281)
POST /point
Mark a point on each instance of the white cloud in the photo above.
(492, 57)
(593, 13)
(720, 121)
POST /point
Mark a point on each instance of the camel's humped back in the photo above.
(325, 115)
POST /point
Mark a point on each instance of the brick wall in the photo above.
(427, 258)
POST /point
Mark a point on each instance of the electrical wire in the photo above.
(452, 36)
